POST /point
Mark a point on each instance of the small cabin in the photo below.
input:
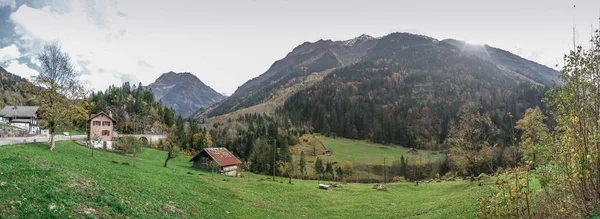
(412, 151)
(328, 153)
(226, 160)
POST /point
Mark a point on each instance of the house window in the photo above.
(105, 133)
(96, 123)
(106, 123)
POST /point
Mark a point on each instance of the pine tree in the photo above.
(402, 166)
(302, 163)
(284, 151)
(319, 170)
(339, 172)
(329, 170)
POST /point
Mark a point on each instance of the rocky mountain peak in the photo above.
(184, 92)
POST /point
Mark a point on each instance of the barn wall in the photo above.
(229, 170)
(203, 163)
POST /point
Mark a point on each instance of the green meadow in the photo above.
(36, 183)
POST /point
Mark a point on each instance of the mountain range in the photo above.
(184, 92)
(325, 56)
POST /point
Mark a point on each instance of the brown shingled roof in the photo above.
(92, 116)
(221, 156)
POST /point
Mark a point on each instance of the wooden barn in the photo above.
(226, 160)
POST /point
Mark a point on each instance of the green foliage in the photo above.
(14, 90)
(287, 168)
(302, 163)
(535, 136)
(475, 130)
(170, 145)
(134, 109)
(251, 137)
(411, 96)
(574, 107)
(510, 197)
(60, 91)
(319, 169)
(329, 170)
(130, 145)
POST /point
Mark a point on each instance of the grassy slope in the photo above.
(31, 179)
(361, 151)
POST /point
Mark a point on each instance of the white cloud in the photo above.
(5, 3)
(226, 44)
(20, 69)
(35, 61)
(8, 53)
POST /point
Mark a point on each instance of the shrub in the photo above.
(400, 179)
(510, 196)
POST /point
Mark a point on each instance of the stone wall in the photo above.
(8, 131)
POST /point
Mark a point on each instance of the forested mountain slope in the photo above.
(134, 109)
(299, 67)
(13, 89)
(295, 68)
(408, 90)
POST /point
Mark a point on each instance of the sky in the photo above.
(228, 42)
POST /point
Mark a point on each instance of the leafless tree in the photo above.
(60, 88)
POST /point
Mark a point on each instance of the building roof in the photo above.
(221, 155)
(19, 111)
(92, 116)
(20, 121)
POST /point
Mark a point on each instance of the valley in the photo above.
(299, 109)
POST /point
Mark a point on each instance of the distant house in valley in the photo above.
(412, 151)
(226, 160)
(101, 130)
(327, 153)
(25, 117)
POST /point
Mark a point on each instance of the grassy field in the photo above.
(361, 151)
(35, 183)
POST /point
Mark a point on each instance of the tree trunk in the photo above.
(290, 181)
(52, 142)
(167, 161)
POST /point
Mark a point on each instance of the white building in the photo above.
(25, 117)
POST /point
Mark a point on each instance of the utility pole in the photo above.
(274, 150)
(384, 171)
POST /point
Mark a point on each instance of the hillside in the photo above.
(516, 67)
(325, 56)
(409, 91)
(134, 108)
(12, 89)
(295, 68)
(184, 92)
(71, 183)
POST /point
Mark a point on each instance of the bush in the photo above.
(510, 196)
(400, 179)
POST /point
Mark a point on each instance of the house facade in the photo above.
(226, 160)
(24, 117)
(101, 130)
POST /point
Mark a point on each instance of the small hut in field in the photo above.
(412, 151)
(226, 160)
